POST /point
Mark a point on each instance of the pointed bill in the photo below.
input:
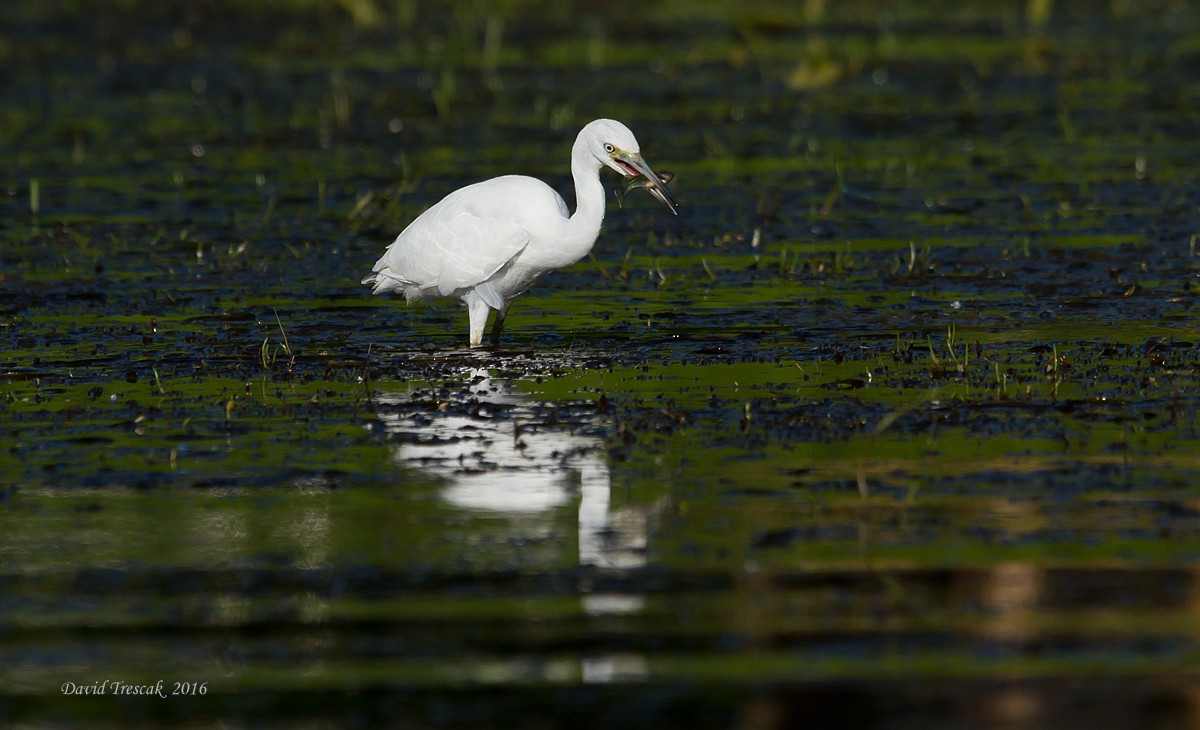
(634, 166)
(665, 177)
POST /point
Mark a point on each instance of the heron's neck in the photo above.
(589, 196)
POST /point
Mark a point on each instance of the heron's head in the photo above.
(615, 146)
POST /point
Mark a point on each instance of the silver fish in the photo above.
(657, 188)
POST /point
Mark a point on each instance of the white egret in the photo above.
(489, 242)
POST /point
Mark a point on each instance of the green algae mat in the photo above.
(894, 426)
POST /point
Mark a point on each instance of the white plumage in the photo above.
(489, 242)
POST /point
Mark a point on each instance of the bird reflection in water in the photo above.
(502, 453)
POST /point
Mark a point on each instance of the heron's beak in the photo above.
(632, 165)
(664, 178)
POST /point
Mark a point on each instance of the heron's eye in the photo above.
(609, 148)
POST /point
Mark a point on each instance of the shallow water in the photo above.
(895, 425)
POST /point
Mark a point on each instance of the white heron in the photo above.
(489, 242)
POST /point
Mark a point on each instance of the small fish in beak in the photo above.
(657, 188)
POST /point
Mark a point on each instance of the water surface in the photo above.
(895, 425)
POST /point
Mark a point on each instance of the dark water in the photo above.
(894, 426)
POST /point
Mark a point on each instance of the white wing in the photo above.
(465, 240)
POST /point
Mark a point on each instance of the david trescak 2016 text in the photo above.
(119, 687)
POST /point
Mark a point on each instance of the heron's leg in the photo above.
(498, 324)
(477, 312)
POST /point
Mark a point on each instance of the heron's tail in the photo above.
(384, 280)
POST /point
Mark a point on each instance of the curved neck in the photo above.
(589, 193)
